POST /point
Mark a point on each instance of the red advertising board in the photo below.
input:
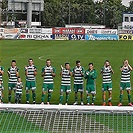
(66, 31)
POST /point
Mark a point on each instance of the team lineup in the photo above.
(78, 73)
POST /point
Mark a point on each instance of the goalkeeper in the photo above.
(90, 75)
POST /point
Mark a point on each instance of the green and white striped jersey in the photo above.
(78, 77)
(48, 78)
(30, 76)
(12, 75)
(19, 87)
(125, 74)
(106, 74)
(66, 77)
(2, 69)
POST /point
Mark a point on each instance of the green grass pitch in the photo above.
(66, 51)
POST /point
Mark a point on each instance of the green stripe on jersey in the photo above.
(12, 75)
(30, 76)
(125, 74)
(19, 87)
(48, 78)
(78, 78)
(66, 78)
(106, 74)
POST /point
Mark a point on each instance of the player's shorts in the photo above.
(78, 88)
(65, 88)
(11, 86)
(30, 85)
(47, 87)
(90, 89)
(107, 87)
(125, 85)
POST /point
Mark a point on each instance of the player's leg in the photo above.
(33, 88)
(122, 86)
(16, 98)
(62, 89)
(110, 97)
(44, 92)
(76, 94)
(68, 90)
(110, 94)
(93, 92)
(50, 90)
(27, 91)
(128, 89)
(9, 92)
(88, 94)
(104, 88)
(20, 97)
(81, 90)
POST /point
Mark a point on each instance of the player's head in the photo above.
(125, 62)
(107, 63)
(78, 63)
(67, 66)
(48, 62)
(30, 61)
(90, 66)
(13, 63)
(19, 79)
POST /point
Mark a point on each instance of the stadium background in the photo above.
(66, 51)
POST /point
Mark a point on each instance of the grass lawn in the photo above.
(66, 51)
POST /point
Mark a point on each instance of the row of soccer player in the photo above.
(48, 72)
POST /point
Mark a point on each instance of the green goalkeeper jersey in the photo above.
(90, 75)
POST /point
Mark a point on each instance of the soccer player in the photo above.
(1, 72)
(13, 73)
(106, 72)
(65, 82)
(78, 73)
(90, 76)
(30, 72)
(48, 72)
(19, 87)
(1, 91)
(1, 77)
(125, 82)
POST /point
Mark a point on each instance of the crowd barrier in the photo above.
(65, 34)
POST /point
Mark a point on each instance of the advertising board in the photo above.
(125, 37)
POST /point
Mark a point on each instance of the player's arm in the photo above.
(111, 70)
(43, 72)
(102, 69)
(26, 70)
(17, 72)
(61, 73)
(130, 67)
(70, 72)
(53, 72)
(35, 71)
(122, 68)
(86, 74)
(94, 75)
(8, 72)
(2, 71)
(82, 72)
